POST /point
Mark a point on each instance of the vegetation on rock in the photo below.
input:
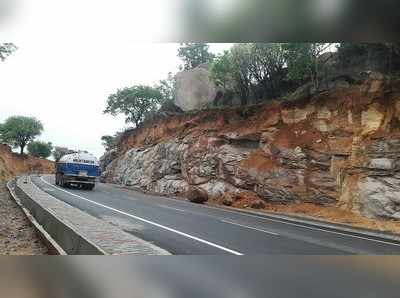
(109, 142)
(136, 103)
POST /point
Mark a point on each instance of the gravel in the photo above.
(17, 235)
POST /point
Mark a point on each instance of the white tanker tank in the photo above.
(80, 169)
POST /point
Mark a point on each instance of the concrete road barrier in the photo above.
(75, 231)
(52, 246)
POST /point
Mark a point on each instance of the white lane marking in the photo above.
(149, 222)
(48, 189)
(261, 230)
(167, 207)
(311, 228)
(287, 223)
(129, 198)
(109, 193)
(284, 222)
(292, 224)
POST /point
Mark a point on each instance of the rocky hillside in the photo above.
(340, 147)
(12, 164)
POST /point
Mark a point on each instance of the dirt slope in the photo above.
(13, 164)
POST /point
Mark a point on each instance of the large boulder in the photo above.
(380, 196)
(194, 89)
(257, 204)
(228, 199)
(196, 195)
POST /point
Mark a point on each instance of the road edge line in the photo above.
(304, 222)
(234, 252)
(317, 225)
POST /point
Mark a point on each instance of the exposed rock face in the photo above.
(375, 179)
(12, 164)
(107, 158)
(381, 196)
(194, 89)
(156, 168)
(340, 148)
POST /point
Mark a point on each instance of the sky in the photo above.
(73, 54)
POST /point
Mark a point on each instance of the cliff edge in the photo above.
(338, 148)
(13, 164)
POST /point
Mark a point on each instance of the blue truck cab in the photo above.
(80, 169)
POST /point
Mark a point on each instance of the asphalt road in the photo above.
(185, 228)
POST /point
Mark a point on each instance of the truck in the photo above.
(79, 169)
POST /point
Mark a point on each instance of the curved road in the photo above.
(185, 228)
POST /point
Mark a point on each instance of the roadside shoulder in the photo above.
(315, 223)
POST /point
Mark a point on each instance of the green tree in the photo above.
(221, 70)
(167, 88)
(299, 61)
(241, 60)
(59, 152)
(302, 60)
(136, 103)
(231, 70)
(257, 68)
(267, 68)
(194, 54)
(6, 49)
(110, 142)
(18, 131)
(388, 53)
(40, 149)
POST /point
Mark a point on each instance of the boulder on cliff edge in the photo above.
(194, 89)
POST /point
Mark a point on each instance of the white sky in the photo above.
(72, 55)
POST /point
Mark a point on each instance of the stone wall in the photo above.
(339, 148)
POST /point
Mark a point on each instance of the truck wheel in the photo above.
(61, 182)
(90, 186)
